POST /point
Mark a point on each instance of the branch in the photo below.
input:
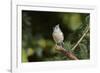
(86, 30)
(68, 54)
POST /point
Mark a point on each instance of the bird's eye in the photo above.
(56, 27)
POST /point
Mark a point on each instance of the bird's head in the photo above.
(56, 28)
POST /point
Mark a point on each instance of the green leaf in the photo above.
(83, 51)
(68, 45)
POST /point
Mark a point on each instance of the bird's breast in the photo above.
(58, 37)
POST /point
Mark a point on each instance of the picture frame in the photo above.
(16, 63)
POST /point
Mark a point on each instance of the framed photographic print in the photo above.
(52, 36)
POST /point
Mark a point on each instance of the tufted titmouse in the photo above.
(58, 35)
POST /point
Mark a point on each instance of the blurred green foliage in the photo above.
(24, 56)
(37, 41)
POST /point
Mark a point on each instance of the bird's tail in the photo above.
(61, 44)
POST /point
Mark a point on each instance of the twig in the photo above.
(69, 54)
(86, 30)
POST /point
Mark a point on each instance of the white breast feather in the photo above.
(58, 37)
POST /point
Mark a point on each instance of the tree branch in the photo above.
(68, 54)
(86, 30)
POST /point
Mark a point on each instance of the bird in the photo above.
(58, 36)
